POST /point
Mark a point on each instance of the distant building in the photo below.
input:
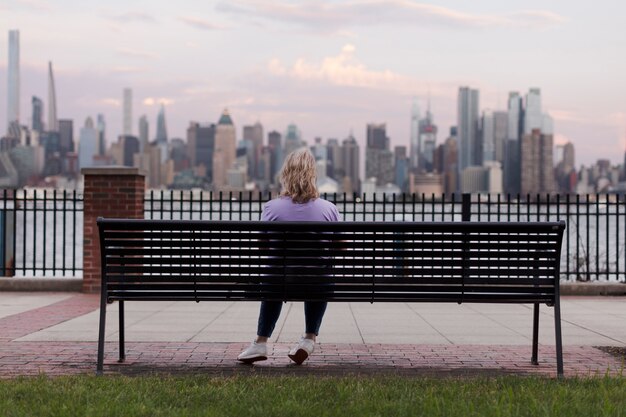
(512, 145)
(334, 167)
(378, 157)
(144, 132)
(426, 183)
(66, 136)
(293, 139)
(402, 165)
(470, 151)
(225, 150)
(500, 131)
(427, 142)
(37, 114)
(53, 120)
(101, 127)
(254, 134)
(533, 116)
(537, 167)
(351, 182)
(274, 139)
(87, 145)
(129, 146)
(127, 114)
(161, 132)
(201, 146)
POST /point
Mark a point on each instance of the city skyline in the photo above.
(336, 82)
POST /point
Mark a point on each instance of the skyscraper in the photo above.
(350, 154)
(101, 127)
(66, 137)
(128, 111)
(537, 165)
(225, 149)
(254, 134)
(500, 128)
(37, 105)
(427, 140)
(144, 139)
(378, 157)
(334, 168)
(274, 142)
(53, 121)
(13, 88)
(88, 144)
(488, 136)
(293, 139)
(467, 125)
(533, 117)
(201, 146)
(414, 145)
(161, 133)
(515, 128)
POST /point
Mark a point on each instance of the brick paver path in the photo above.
(64, 358)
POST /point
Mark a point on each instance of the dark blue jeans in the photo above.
(270, 311)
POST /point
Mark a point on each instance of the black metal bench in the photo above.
(460, 262)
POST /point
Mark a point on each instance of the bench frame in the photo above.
(105, 225)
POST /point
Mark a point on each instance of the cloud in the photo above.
(136, 54)
(344, 70)
(560, 139)
(132, 17)
(110, 102)
(151, 101)
(329, 16)
(200, 23)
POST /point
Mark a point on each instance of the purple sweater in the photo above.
(284, 209)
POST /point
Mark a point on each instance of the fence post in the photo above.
(466, 207)
(109, 192)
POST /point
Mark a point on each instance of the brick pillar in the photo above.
(114, 192)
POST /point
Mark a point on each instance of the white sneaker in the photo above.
(254, 353)
(302, 351)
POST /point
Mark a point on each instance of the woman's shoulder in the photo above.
(329, 209)
(324, 203)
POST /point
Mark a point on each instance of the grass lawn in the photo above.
(311, 396)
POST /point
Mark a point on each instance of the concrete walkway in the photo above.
(56, 333)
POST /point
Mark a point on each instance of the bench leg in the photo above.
(557, 332)
(103, 315)
(122, 350)
(534, 359)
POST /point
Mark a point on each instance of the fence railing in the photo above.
(41, 233)
(42, 229)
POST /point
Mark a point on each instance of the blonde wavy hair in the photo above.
(298, 176)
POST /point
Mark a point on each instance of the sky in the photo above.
(330, 67)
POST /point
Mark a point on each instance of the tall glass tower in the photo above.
(128, 111)
(161, 132)
(53, 121)
(13, 90)
(467, 124)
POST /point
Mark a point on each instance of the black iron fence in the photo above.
(41, 230)
(41, 233)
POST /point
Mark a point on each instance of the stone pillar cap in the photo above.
(112, 170)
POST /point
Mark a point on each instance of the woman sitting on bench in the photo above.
(299, 201)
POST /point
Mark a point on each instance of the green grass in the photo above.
(311, 396)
